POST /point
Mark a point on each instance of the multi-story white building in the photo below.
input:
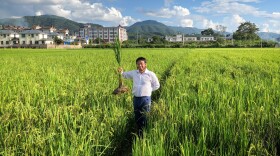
(8, 38)
(107, 34)
(33, 37)
(17, 36)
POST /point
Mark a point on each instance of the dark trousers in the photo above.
(141, 107)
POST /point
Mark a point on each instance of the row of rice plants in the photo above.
(217, 102)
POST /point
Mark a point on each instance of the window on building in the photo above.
(30, 42)
(23, 42)
(4, 35)
(36, 42)
(7, 42)
(23, 35)
(2, 42)
(32, 35)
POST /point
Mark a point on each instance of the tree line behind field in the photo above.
(205, 44)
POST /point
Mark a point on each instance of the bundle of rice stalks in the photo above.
(122, 88)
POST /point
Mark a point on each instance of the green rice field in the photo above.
(211, 102)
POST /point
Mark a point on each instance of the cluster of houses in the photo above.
(17, 36)
(37, 36)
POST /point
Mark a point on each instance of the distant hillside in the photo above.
(45, 20)
(14, 21)
(269, 36)
(149, 28)
(187, 30)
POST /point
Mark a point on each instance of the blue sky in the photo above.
(201, 14)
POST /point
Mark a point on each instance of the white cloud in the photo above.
(186, 23)
(163, 13)
(209, 24)
(275, 15)
(127, 20)
(265, 28)
(86, 12)
(178, 15)
(167, 3)
(38, 13)
(233, 22)
(169, 13)
(271, 26)
(232, 12)
(36, 1)
(236, 19)
(180, 11)
(225, 7)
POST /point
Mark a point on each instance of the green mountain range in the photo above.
(151, 28)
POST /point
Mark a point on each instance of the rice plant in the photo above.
(117, 49)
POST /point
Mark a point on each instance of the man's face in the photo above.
(141, 66)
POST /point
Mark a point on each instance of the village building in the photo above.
(188, 38)
(8, 37)
(17, 36)
(107, 34)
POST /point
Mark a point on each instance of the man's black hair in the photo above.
(141, 59)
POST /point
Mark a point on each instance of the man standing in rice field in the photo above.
(144, 82)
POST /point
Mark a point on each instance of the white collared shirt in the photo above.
(143, 84)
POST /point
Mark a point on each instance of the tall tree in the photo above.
(221, 29)
(208, 31)
(57, 40)
(246, 31)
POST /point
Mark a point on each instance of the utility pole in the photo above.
(222, 30)
(137, 37)
(183, 39)
(261, 42)
(232, 39)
